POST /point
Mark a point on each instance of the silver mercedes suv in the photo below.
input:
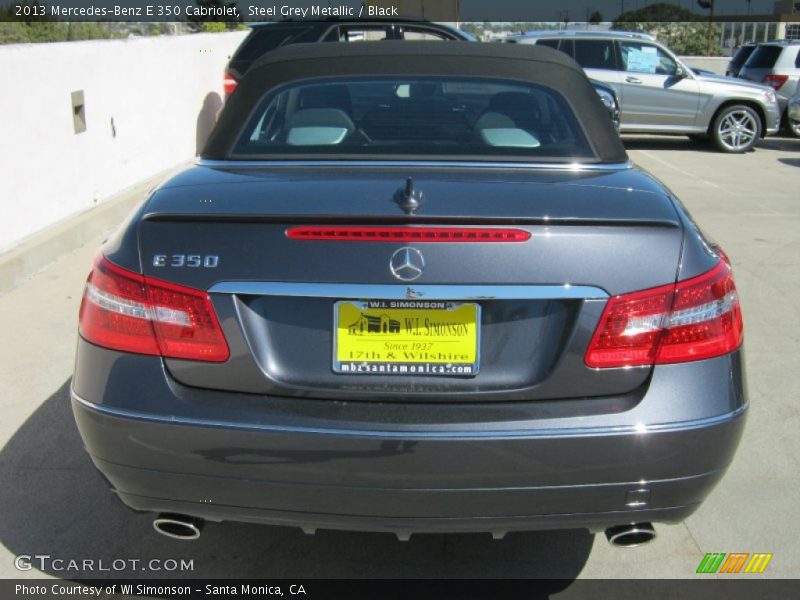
(659, 94)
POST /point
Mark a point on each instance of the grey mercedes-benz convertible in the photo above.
(412, 287)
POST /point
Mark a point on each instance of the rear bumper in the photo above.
(315, 471)
(173, 474)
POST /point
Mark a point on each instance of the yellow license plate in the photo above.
(406, 337)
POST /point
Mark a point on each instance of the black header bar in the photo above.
(454, 11)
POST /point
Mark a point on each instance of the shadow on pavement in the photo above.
(665, 142)
(54, 502)
(678, 143)
(792, 162)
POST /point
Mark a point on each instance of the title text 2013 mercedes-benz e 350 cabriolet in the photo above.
(412, 287)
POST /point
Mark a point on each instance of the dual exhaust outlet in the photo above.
(631, 535)
(182, 527)
(178, 527)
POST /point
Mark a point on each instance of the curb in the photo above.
(44, 247)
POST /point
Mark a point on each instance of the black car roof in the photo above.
(527, 63)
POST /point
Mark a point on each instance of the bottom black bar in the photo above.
(393, 589)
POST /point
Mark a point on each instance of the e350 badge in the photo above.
(192, 261)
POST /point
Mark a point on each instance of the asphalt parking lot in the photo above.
(53, 502)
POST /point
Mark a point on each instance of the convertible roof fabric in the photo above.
(527, 63)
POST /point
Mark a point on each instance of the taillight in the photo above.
(691, 320)
(407, 234)
(706, 319)
(229, 83)
(126, 311)
(776, 81)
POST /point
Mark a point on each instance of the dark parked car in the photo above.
(266, 37)
(412, 287)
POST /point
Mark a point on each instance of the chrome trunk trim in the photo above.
(349, 291)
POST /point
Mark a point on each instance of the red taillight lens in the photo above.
(185, 323)
(132, 313)
(115, 312)
(630, 328)
(229, 83)
(694, 319)
(408, 234)
(776, 81)
(706, 319)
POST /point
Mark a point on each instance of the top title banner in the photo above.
(211, 11)
(454, 11)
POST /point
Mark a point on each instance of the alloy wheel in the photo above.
(737, 130)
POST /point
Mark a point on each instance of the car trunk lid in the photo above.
(593, 233)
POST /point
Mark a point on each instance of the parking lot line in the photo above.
(677, 169)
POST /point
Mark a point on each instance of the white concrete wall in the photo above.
(144, 101)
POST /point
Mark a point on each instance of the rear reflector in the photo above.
(408, 234)
(229, 84)
(692, 320)
(126, 311)
(776, 81)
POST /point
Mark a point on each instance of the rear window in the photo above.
(414, 117)
(359, 34)
(742, 54)
(416, 34)
(764, 57)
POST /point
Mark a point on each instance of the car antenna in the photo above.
(407, 198)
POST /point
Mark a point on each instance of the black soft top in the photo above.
(528, 63)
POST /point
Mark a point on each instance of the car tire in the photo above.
(736, 129)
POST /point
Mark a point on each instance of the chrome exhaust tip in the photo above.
(178, 527)
(631, 536)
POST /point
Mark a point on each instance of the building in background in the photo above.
(783, 23)
(789, 11)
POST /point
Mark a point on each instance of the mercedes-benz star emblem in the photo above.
(407, 263)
